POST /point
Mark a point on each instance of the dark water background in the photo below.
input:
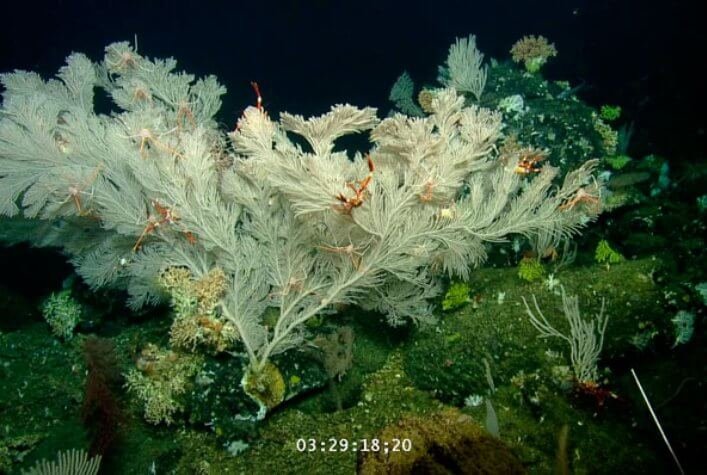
(307, 55)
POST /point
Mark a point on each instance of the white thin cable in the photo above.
(657, 423)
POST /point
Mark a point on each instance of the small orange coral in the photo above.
(533, 51)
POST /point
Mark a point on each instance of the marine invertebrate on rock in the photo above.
(512, 104)
(684, 327)
(457, 296)
(336, 351)
(69, 462)
(530, 269)
(402, 94)
(609, 137)
(605, 254)
(533, 52)
(196, 322)
(464, 70)
(617, 162)
(62, 312)
(424, 98)
(610, 113)
(585, 338)
(159, 380)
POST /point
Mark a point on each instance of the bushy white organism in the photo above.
(297, 230)
(585, 338)
(464, 70)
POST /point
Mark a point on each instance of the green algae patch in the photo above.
(42, 380)
(457, 296)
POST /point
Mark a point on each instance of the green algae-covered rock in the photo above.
(218, 400)
(444, 442)
(448, 359)
(551, 118)
(42, 382)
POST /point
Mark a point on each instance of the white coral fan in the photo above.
(297, 227)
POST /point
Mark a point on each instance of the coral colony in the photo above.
(234, 223)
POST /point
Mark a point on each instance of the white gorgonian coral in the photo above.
(298, 229)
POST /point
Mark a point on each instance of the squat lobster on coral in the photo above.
(348, 204)
(350, 250)
(165, 216)
(529, 160)
(78, 189)
(582, 196)
(149, 139)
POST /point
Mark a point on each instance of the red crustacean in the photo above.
(529, 160)
(594, 390)
(349, 203)
(581, 197)
(164, 216)
(258, 103)
(259, 97)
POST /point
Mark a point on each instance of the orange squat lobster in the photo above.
(258, 103)
(259, 98)
(528, 163)
(594, 390)
(165, 216)
(348, 204)
(582, 197)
